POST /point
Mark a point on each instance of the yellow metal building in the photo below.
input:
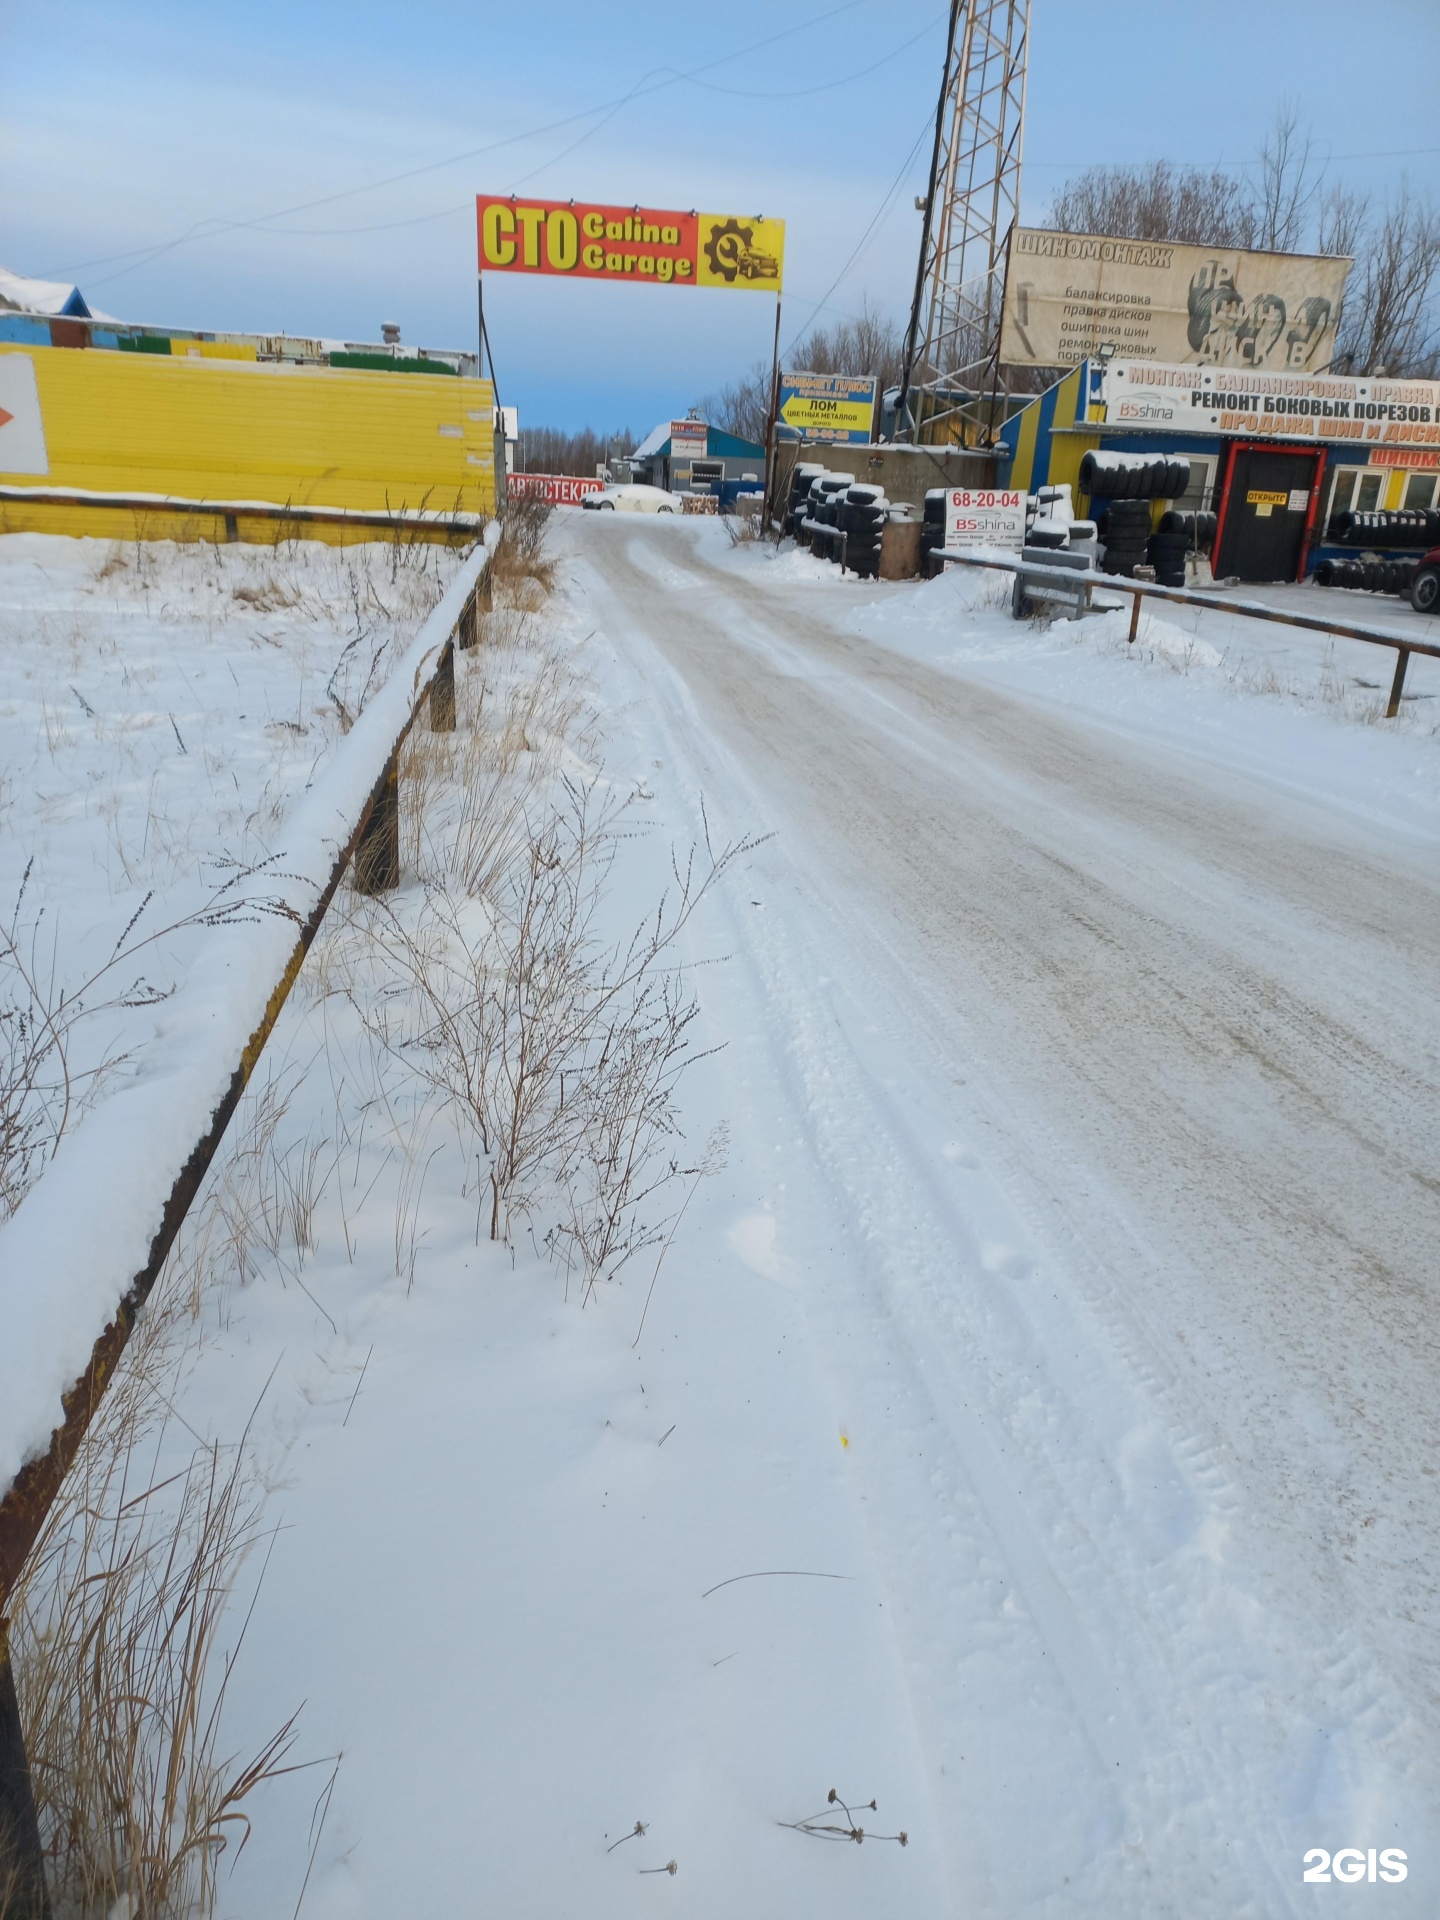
(214, 427)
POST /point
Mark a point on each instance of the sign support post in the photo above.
(772, 421)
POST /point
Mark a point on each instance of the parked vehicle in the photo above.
(632, 496)
(1425, 583)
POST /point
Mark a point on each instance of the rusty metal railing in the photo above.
(1210, 602)
(373, 846)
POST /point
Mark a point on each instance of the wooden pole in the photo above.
(377, 857)
(772, 420)
(442, 692)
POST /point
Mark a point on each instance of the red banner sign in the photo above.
(559, 489)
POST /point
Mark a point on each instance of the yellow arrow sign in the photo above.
(810, 413)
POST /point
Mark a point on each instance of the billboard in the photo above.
(838, 407)
(984, 517)
(583, 240)
(1272, 406)
(689, 439)
(1067, 295)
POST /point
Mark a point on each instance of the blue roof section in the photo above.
(719, 445)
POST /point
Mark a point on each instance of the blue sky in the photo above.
(153, 152)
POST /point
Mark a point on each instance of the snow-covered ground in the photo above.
(1032, 1426)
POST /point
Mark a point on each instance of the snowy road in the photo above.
(1113, 1072)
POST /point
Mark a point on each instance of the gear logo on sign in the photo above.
(731, 254)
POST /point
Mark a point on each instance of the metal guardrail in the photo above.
(373, 846)
(1210, 602)
(385, 519)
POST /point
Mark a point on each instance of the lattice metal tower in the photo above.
(950, 382)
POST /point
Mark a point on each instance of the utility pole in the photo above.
(952, 345)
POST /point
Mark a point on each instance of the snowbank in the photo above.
(71, 1249)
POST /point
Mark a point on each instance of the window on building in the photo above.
(1420, 491)
(1197, 496)
(1368, 488)
(706, 473)
(1342, 492)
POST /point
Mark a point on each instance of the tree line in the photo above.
(1289, 202)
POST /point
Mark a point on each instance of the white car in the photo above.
(632, 498)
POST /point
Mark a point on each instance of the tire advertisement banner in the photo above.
(583, 240)
(984, 517)
(838, 408)
(1329, 407)
(1068, 295)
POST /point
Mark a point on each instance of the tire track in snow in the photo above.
(772, 707)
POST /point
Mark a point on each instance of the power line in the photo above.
(214, 225)
(874, 221)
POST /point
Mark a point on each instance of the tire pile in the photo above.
(1367, 576)
(840, 519)
(1125, 529)
(1177, 535)
(1131, 476)
(932, 528)
(801, 481)
(1401, 527)
(863, 513)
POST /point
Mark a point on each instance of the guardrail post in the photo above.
(442, 691)
(23, 1894)
(377, 856)
(1134, 616)
(1397, 686)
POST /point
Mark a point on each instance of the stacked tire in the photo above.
(1177, 535)
(1122, 477)
(862, 516)
(1403, 527)
(1127, 537)
(818, 525)
(932, 528)
(801, 481)
(1198, 529)
(1368, 576)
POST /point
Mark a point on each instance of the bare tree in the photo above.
(867, 344)
(1343, 217)
(1390, 317)
(1289, 183)
(1390, 322)
(1155, 202)
(553, 450)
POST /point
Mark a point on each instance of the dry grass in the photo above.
(121, 1663)
(520, 575)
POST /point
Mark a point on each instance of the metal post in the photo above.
(1397, 686)
(23, 1894)
(377, 857)
(442, 692)
(1134, 616)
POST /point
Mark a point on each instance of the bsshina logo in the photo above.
(728, 249)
